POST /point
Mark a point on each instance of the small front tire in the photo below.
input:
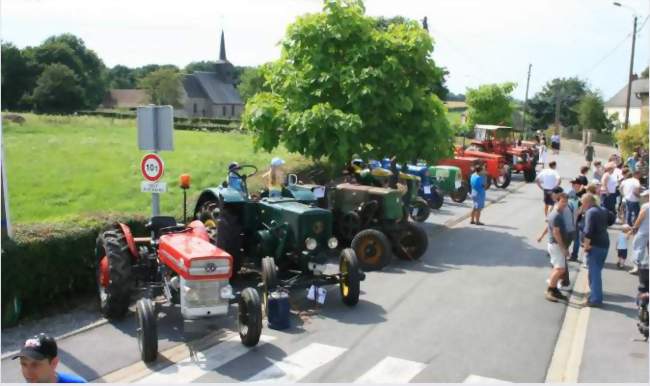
(350, 279)
(249, 317)
(147, 329)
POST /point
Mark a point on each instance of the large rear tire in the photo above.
(504, 179)
(229, 236)
(113, 273)
(147, 329)
(412, 242)
(249, 317)
(372, 249)
(350, 280)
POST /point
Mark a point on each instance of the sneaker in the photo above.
(563, 284)
(573, 259)
(619, 265)
(559, 295)
(551, 296)
(587, 303)
(634, 271)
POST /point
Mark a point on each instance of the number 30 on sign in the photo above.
(152, 167)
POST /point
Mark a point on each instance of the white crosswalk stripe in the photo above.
(298, 365)
(482, 380)
(392, 370)
(206, 361)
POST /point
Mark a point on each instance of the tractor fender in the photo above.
(199, 230)
(129, 240)
(206, 195)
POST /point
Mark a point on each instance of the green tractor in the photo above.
(372, 218)
(449, 180)
(289, 241)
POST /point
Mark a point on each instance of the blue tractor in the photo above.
(428, 189)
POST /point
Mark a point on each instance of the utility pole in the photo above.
(526, 102)
(557, 106)
(629, 83)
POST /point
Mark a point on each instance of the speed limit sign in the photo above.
(152, 167)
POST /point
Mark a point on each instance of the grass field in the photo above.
(63, 167)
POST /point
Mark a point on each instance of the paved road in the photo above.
(471, 309)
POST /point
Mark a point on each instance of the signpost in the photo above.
(155, 133)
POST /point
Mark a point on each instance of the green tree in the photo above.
(204, 65)
(342, 86)
(490, 104)
(18, 77)
(542, 106)
(629, 140)
(121, 77)
(591, 112)
(163, 86)
(252, 82)
(644, 74)
(58, 90)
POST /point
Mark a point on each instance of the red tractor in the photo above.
(176, 265)
(497, 170)
(466, 165)
(500, 140)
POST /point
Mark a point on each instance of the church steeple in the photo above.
(222, 50)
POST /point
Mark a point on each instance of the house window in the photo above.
(195, 108)
(232, 110)
(223, 110)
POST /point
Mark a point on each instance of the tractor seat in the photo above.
(159, 222)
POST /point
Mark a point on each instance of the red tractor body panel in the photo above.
(129, 240)
(179, 250)
(494, 162)
(464, 163)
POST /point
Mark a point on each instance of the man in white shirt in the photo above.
(547, 180)
(631, 191)
(608, 185)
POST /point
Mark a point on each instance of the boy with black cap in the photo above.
(38, 361)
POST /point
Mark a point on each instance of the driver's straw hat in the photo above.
(276, 161)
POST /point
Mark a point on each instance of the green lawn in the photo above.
(59, 168)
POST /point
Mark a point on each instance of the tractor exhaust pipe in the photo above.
(184, 182)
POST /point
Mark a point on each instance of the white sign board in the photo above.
(153, 187)
(156, 128)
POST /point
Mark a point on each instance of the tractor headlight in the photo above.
(332, 243)
(311, 243)
(226, 292)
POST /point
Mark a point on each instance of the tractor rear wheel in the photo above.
(113, 273)
(269, 279)
(412, 242)
(372, 249)
(208, 214)
(249, 317)
(349, 281)
(503, 180)
(436, 200)
(229, 237)
(147, 329)
(460, 194)
(420, 210)
(530, 174)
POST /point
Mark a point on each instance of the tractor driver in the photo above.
(234, 180)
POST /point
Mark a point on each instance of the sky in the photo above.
(478, 41)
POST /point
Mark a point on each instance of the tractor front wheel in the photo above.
(420, 210)
(249, 317)
(460, 194)
(269, 279)
(530, 174)
(147, 329)
(372, 249)
(412, 242)
(350, 280)
(504, 178)
(436, 199)
(113, 273)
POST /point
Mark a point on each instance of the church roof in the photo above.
(207, 85)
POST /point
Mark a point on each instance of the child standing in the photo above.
(621, 246)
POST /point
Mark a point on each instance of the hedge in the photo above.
(132, 114)
(49, 264)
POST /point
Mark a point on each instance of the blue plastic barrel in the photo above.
(278, 310)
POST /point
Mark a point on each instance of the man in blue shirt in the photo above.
(477, 182)
(38, 361)
(596, 245)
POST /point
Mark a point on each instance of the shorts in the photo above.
(557, 257)
(548, 198)
(555, 145)
(479, 200)
(622, 253)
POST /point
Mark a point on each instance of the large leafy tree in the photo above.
(58, 90)
(343, 85)
(252, 82)
(163, 86)
(490, 104)
(591, 112)
(121, 77)
(71, 51)
(18, 77)
(569, 91)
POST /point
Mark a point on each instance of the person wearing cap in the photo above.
(39, 359)
(547, 180)
(234, 179)
(640, 242)
(274, 177)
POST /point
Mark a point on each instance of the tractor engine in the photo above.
(203, 271)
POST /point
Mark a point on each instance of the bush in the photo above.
(633, 137)
(50, 264)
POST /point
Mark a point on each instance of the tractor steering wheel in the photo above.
(245, 176)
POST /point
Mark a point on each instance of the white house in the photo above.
(617, 103)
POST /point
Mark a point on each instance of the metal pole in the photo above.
(6, 221)
(155, 197)
(526, 102)
(629, 83)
